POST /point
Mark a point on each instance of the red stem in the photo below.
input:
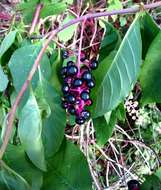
(39, 57)
(35, 18)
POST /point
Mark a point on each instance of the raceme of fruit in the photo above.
(76, 87)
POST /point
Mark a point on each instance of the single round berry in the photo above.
(72, 70)
(63, 71)
(133, 185)
(85, 114)
(65, 55)
(80, 120)
(94, 64)
(85, 95)
(91, 83)
(71, 99)
(65, 88)
(72, 110)
(87, 76)
(70, 63)
(77, 82)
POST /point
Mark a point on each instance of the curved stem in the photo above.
(39, 57)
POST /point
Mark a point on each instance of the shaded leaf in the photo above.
(116, 78)
(16, 158)
(29, 129)
(9, 179)
(149, 30)
(3, 80)
(54, 125)
(7, 42)
(151, 183)
(68, 169)
(150, 76)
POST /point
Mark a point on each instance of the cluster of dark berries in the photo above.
(77, 84)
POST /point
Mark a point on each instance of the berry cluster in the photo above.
(77, 84)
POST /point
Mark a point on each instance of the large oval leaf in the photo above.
(68, 169)
(29, 129)
(21, 63)
(150, 76)
(115, 79)
(3, 80)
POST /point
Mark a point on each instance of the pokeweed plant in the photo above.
(69, 73)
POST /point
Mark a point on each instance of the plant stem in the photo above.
(35, 18)
(11, 115)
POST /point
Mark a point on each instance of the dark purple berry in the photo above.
(133, 185)
(71, 99)
(90, 83)
(65, 88)
(72, 70)
(85, 95)
(85, 114)
(87, 76)
(77, 82)
(72, 110)
(64, 104)
(63, 71)
(94, 64)
(70, 63)
(80, 120)
(65, 55)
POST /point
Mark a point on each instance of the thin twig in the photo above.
(131, 10)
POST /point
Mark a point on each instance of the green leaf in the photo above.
(114, 5)
(54, 125)
(3, 80)
(110, 42)
(30, 129)
(104, 125)
(116, 78)
(53, 9)
(150, 76)
(7, 42)
(151, 183)
(21, 63)
(68, 169)
(9, 179)
(149, 30)
(67, 34)
(16, 158)
(28, 9)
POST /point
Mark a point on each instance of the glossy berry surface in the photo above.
(85, 95)
(133, 185)
(94, 64)
(87, 76)
(63, 71)
(71, 110)
(71, 99)
(80, 120)
(65, 88)
(91, 84)
(77, 82)
(72, 70)
(85, 114)
(65, 55)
